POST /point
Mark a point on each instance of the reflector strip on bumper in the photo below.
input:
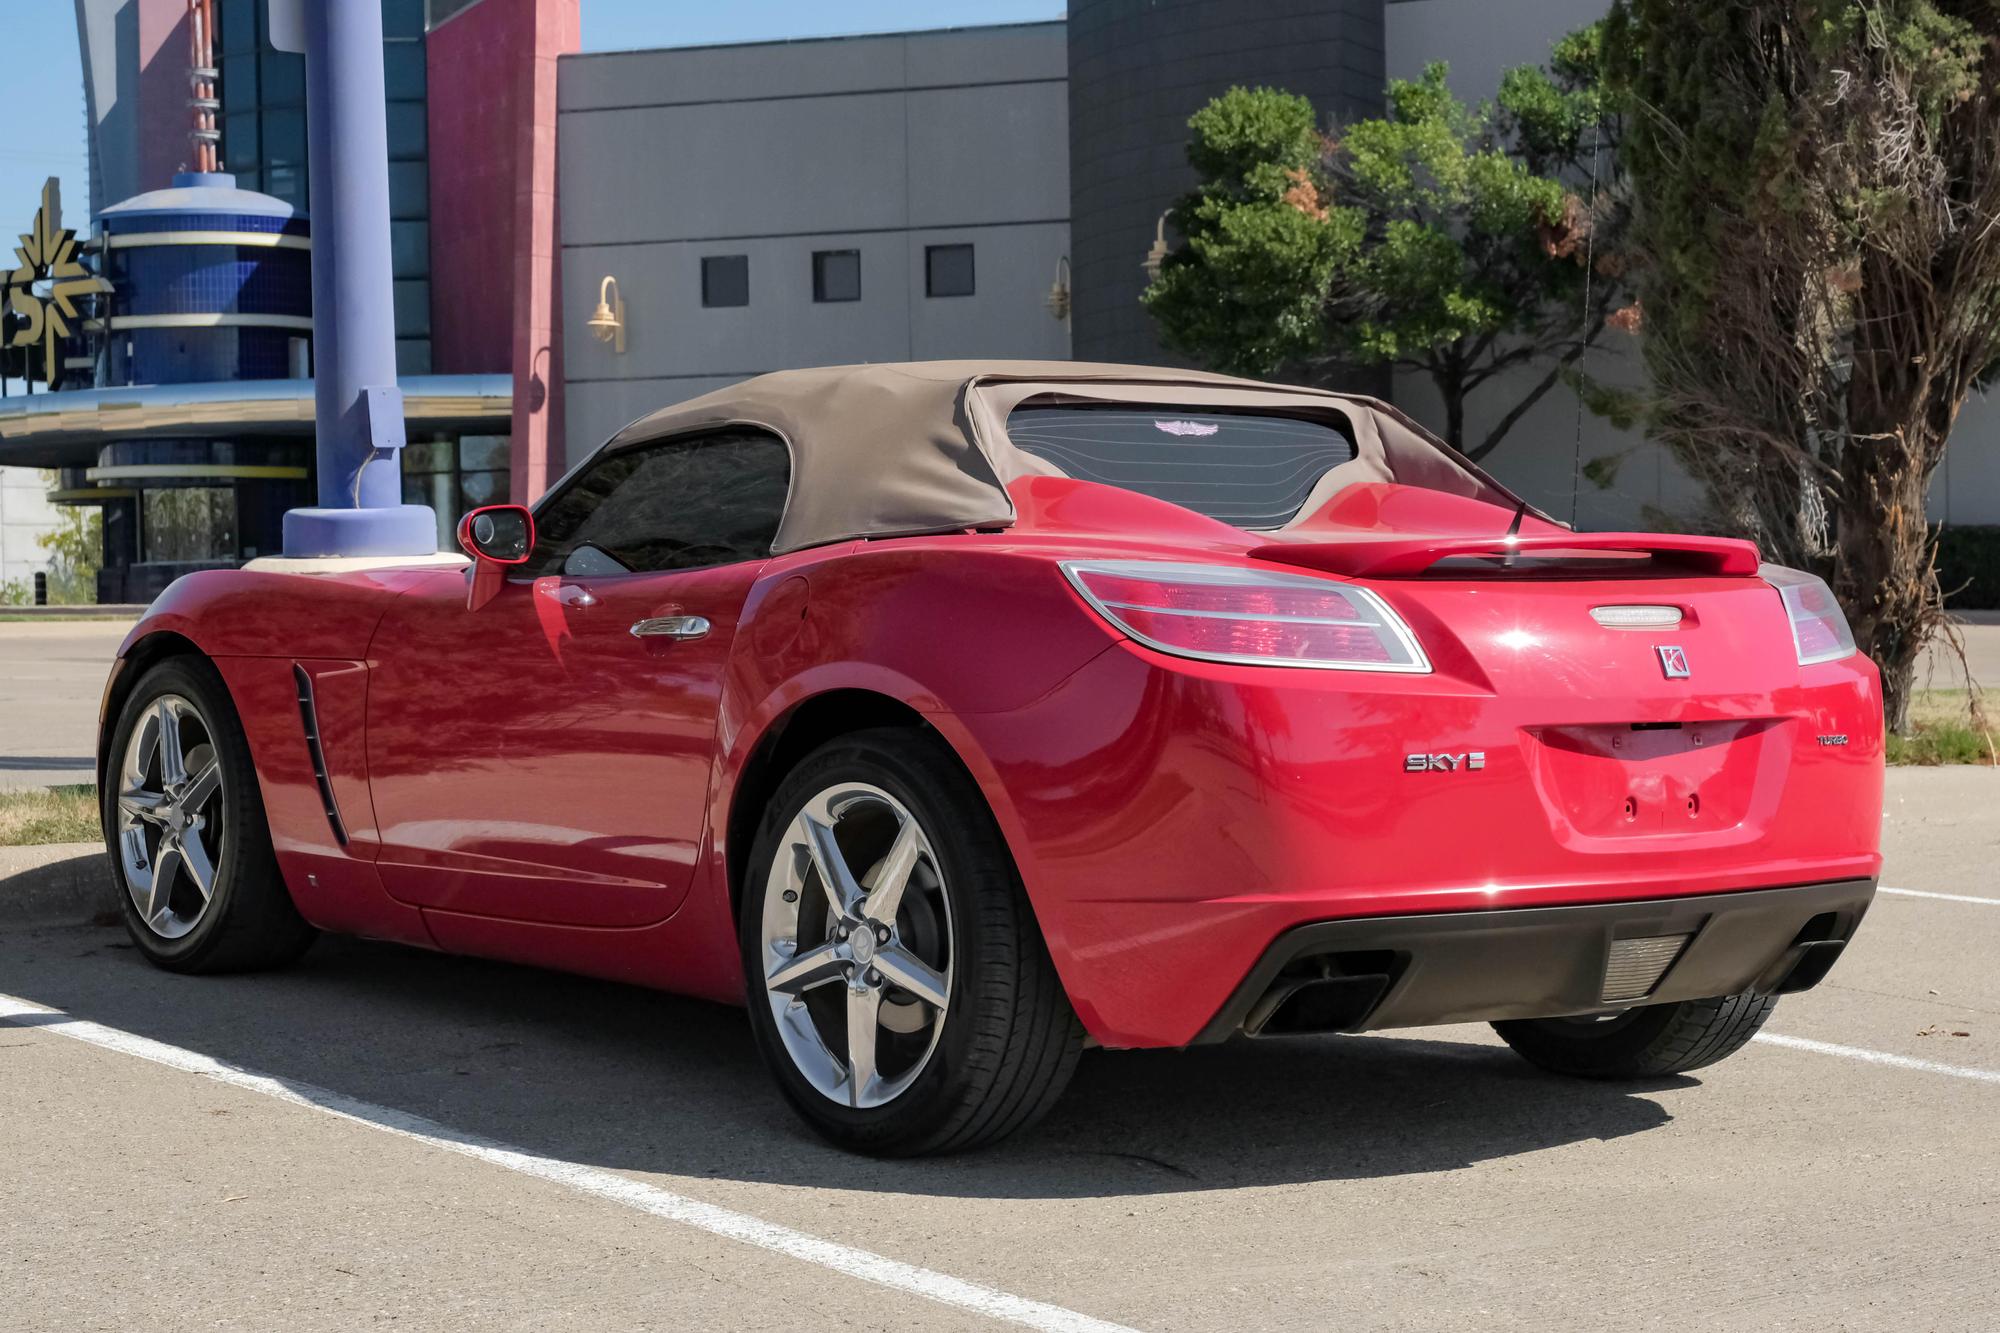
(1636, 966)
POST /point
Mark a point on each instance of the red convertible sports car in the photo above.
(956, 716)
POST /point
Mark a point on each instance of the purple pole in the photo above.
(357, 406)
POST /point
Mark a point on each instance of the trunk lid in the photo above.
(1681, 730)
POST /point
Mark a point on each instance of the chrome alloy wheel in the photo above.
(857, 966)
(170, 816)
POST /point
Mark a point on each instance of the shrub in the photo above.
(1968, 568)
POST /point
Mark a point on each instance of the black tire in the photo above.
(1649, 1042)
(1010, 1040)
(249, 922)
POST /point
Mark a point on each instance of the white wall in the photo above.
(1480, 39)
(25, 514)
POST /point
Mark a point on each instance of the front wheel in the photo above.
(1648, 1042)
(898, 986)
(184, 823)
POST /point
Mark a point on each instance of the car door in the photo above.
(545, 757)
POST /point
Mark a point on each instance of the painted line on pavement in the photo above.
(601, 1184)
(1942, 897)
(1878, 1057)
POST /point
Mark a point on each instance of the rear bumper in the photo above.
(1541, 962)
(1172, 819)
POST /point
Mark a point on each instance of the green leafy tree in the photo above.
(1440, 238)
(76, 552)
(75, 548)
(1816, 202)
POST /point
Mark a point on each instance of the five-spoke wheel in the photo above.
(184, 820)
(169, 835)
(898, 986)
(857, 965)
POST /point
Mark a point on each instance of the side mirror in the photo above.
(497, 537)
(503, 534)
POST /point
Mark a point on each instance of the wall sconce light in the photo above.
(607, 324)
(1058, 299)
(1158, 254)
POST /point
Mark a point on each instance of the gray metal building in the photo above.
(1137, 71)
(784, 173)
(805, 203)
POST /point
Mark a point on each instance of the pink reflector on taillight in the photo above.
(1261, 599)
(1280, 640)
(1233, 614)
(1816, 638)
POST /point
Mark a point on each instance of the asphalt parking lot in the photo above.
(51, 679)
(382, 1136)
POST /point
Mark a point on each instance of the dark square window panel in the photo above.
(284, 78)
(947, 270)
(725, 280)
(836, 275)
(403, 69)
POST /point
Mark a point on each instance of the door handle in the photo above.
(670, 627)
(565, 594)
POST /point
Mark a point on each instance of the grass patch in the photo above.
(1943, 730)
(53, 814)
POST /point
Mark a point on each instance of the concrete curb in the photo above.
(108, 611)
(61, 884)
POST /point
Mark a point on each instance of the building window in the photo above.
(403, 70)
(947, 270)
(412, 300)
(263, 101)
(836, 275)
(410, 249)
(402, 18)
(408, 131)
(187, 524)
(455, 476)
(725, 280)
(409, 190)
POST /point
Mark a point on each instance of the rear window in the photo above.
(1248, 469)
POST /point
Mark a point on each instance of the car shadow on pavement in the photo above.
(635, 1080)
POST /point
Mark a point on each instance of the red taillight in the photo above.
(1225, 614)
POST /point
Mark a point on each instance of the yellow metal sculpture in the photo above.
(43, 288)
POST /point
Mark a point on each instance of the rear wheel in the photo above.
(898, 986)
(184, 821)
(1648, 1042)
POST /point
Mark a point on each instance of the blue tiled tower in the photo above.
(210, 283)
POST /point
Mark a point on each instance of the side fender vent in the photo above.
(309, 718)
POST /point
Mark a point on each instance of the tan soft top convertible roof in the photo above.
(896, 449)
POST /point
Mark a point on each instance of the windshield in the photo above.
(1248, 469)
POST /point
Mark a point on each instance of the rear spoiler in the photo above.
(1404, 555)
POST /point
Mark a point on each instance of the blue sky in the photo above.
(45, 130)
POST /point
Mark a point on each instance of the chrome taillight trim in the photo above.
(1073, 570)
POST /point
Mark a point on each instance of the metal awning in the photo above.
(66, 429)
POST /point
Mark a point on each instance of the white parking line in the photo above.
(607, 1185)
(1878, 1057)
(1942, 897)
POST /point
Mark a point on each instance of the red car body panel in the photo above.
(618, 733)
(527, 781)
